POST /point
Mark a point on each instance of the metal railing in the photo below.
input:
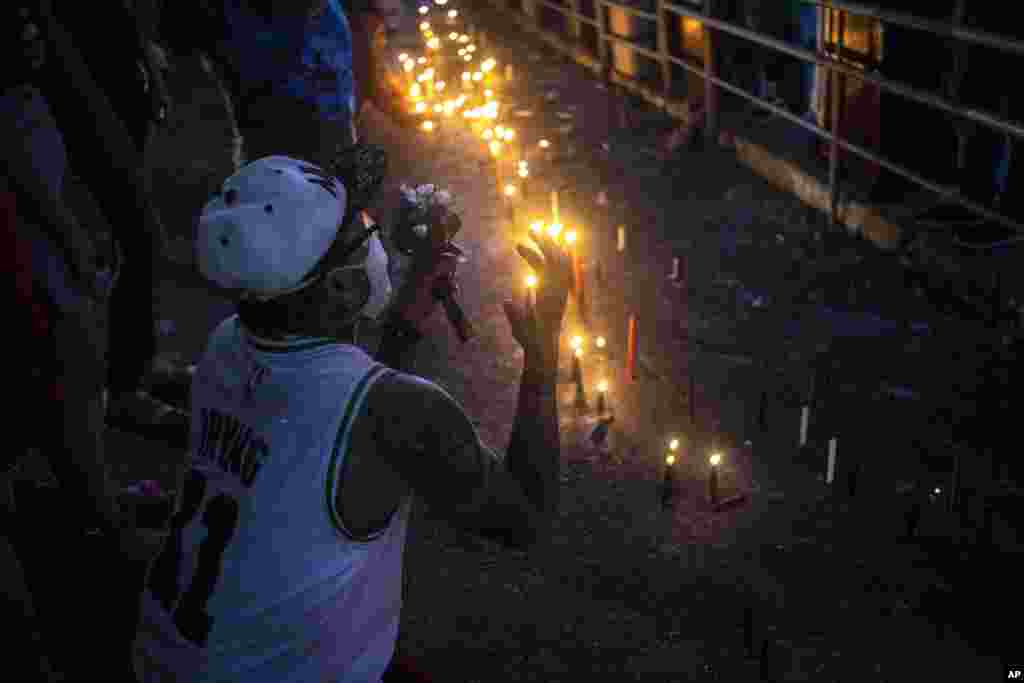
(663, 55)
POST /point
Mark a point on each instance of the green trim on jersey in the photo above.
(341, 444)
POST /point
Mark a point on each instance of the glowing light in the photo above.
(555, 229)
(453, 36)
(471, 48)
(523, 172)
(425, 26)
(488, 94)
(402, 57)
(570, 237)
(495, 147)
(578, 353)
(537, 227)
(428, 34)
(439, 85)
(499, 131)
(544, 144)
(531, 281)
(466, 75)
(462, 52)
(424, 9)
(601, 342)
(434, 43)
(421, 107)
(428, 126)
(673, 444)
(452, 13)
(670, 460)
(488, 134)
(463, 38)
(469, 58)
(409, 66)
(422, 78)
(715, 459)
(510, 190)
(421, 60)
(509, 134)
(477, 75)
(438, 108)
(488, 64)
(415, 90)
(442, 3)
(576, 342)
(429, 73)
(602, 386)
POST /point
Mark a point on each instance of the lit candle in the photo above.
(831, 473)
(577, 370)
(673, 445)
(576, 342)
(554, 206)
(675, 268)
(631, 349)
(531, 293)
(666, 484)
(600, 342)
(622, 238)
(715, 460)
(602, 389)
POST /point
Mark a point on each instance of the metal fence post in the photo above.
(710, 71)
(838, 82)
(663, 51)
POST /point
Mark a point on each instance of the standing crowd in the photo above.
(81, 95)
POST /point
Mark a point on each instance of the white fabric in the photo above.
(246, 246)
(296, 600)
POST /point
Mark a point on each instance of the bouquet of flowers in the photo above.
(427, 218)
(427, 222)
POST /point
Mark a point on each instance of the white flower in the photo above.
(420, 230)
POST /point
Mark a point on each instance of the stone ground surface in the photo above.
(624, 589)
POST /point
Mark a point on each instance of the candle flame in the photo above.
(523, 172)
(531, 281)
(576, 341)
(440, 85)
(670, 460)
(487, 134)
(600, 342)
(402, 57)
(495, 147)
(537, 227)
(469, 58)
(466, 75)
(544, 144)
(453, 36)
(570, 237)
(578, 353)
(425, 26)
(715, 460)
(428, 126)
(555, 229)
(438, 108)
(415, 90)
(409, 66)
(510, 190)
(673, 444)
(424, 9)
(421, 60)
(602, 386)
(452, 14)
(510, 135)
(421, 107)
(477, 76)
(463, 38)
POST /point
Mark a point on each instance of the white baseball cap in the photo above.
(273, 220)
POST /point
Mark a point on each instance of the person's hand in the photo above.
(431, 276)
(538, 331)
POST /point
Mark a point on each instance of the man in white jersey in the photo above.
(284, 558)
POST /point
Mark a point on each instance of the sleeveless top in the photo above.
(259, 581)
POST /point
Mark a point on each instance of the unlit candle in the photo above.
(830, 475)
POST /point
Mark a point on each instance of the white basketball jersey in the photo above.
(258, 580)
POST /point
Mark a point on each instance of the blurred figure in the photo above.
(290, 62)
(58, 309)
(109, 161)
(371, 20)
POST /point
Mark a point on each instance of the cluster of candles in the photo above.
(449, 81)
(715, 461)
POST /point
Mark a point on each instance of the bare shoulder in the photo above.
(400, 406)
